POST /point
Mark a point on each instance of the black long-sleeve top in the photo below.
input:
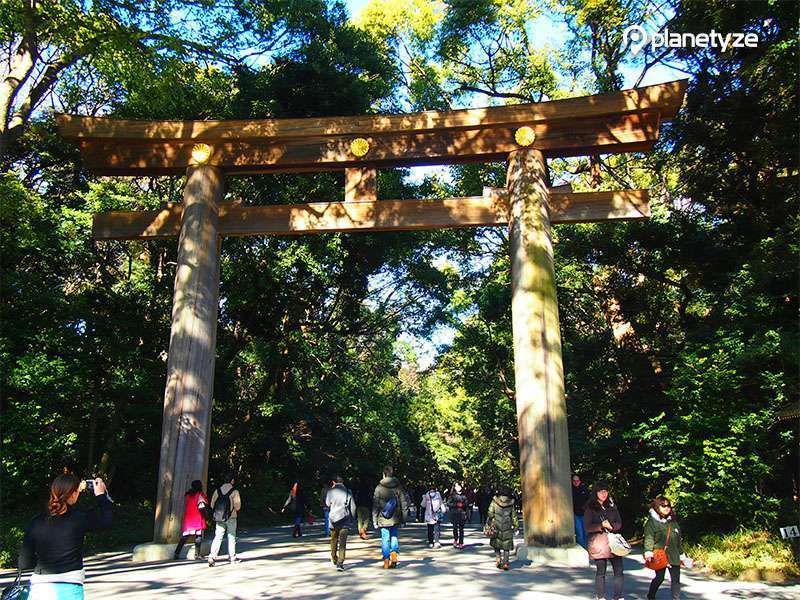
(55, 544)
(595, 514)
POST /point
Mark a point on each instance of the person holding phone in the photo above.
(53, 541)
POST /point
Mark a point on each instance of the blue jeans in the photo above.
(326, 513)
(389, 542)
(580, 532)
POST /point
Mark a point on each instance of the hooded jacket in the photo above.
(504, 516)
(388, 488)
(655, 536)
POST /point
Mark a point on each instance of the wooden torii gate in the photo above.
(523, 134)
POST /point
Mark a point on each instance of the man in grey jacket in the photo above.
(389, 508)
(342, 508)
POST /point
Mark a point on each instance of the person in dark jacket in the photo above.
(419, 491)
(457, 502)
(660, 525)
(53, 541)
(389, 508)
(503, 515)
(580, 496)
(600, 517)
(363, 508)
(484, 500)
(295, 505)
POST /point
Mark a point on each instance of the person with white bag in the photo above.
(601, 518)
(434, 508)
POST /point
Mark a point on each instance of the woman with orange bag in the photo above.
(663, 547)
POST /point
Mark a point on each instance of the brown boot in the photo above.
(385, 563)
(362, 533)
(394, 559)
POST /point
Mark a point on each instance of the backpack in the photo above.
(438, 512)
(390, 507)
(222, 507)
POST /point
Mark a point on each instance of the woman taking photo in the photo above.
(662, 533)
(601, 517)
(53, 542)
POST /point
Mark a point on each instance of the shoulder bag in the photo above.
(660, 560)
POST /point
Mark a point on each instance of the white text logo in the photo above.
(637, 37)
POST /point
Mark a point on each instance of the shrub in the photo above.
(733, 554)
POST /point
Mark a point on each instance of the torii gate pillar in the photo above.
(190, 365)
(538, 368)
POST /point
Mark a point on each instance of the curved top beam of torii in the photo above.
(626, 121)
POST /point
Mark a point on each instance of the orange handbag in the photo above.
(659, 560)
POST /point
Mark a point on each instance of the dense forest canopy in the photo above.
(680, 332)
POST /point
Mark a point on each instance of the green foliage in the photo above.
(735, 554)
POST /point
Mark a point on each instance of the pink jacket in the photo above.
(192, 517)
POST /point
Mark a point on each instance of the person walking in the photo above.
(662, 532)
(342, 511)
(470, 494)
(433, 511)
(53, 542)
(457, 502)
(295, 505)
(580, 496)
(502, 515)
(388, 511)
(226, 503)
(363, 508)
(324, 504)
(419, 491)
(484, 500)
(600, 517)
(195, 504)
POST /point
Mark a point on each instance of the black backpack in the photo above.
(222, 507)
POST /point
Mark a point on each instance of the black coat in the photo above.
(595, 514)
(55, 544)
(580, 496)
(457, 515)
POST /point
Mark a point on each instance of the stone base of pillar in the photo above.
(565, 556)
(152, 552)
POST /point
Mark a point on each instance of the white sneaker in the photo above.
(437, 545)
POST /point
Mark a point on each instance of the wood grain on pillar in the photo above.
(190, 366)
(538, 368)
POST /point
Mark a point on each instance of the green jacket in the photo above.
(389, 487)
(655, 536)
(503, 515)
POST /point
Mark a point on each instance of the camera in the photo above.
(90, 484)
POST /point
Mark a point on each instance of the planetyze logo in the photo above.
(638, 38)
